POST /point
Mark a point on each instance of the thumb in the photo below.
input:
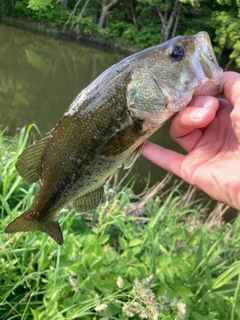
(232, 94)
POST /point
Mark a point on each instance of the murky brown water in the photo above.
(41, 76)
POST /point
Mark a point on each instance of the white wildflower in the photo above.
(101, 307)
(120, 282)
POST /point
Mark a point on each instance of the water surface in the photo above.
(40, 76)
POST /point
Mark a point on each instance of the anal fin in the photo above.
(89, 201)
(28, 163)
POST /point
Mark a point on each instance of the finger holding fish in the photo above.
(187, 126)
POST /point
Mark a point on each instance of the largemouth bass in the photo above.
(107, 125)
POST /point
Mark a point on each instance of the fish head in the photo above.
(171, 73)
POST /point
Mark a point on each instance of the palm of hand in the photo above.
(210, 133)
(213, 163)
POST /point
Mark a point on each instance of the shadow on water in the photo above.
(41, 76)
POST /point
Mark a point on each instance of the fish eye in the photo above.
(177, 53)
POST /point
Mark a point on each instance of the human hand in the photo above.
(209, 130)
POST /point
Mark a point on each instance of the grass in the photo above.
(153, 255)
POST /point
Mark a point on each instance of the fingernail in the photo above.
(208, 104)
(199, 113)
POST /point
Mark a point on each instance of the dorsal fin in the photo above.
(28, 163)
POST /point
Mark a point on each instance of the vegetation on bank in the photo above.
(138, 23)
(150, 256)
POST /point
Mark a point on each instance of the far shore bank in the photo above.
(62, 32)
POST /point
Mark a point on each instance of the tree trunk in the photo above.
(176, 22)
(134, 18)
(105, 11)
(64, 3)
(13, 6)
(167, 23)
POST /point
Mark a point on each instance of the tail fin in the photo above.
(27, 222)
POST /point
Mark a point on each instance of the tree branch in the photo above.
(168, 22)
(176, 21)
(81, 13)
(105, 9)
(71, 15)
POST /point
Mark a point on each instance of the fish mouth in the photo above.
(210, 87)
(208, 70)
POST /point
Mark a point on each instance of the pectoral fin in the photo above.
(28, 163)
(133, 157)
(89, 201)
(122, 140)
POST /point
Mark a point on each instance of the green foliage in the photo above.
(119, 31)
(227, 23)
(6, 7)
(105, 267)
(130, 33)
(143, 35)
(12, 194)
(138, 22)
(40, 5)
(147, 36)
(87, 25)
(21, 9)
(45, 11)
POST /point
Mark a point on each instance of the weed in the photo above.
(104, 269)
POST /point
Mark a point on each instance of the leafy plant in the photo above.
(40, 5)
(105, 267)
(87, 25)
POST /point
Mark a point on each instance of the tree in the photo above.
(106, 5)
(64, 3)
(169, 14)
(12, 3)
(169, 19)
(40, 5)
(227, 25)
(72, 15)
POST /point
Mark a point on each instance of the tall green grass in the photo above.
(151, 256)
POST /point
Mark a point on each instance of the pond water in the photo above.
(41, 76)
